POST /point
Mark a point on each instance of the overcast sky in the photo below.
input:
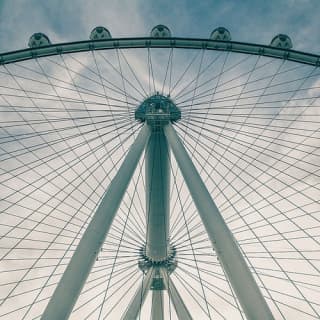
(247, 20)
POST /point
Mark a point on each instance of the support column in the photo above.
(75, 275)
(139, 297)
(157, 169)
(157, 288)
(181, 309)
(228, 252)
(157, 305)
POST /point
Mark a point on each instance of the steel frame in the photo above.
(228, 252)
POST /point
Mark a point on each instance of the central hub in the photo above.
(157, 110)
(169, 263)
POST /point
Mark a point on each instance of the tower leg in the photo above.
(157, 298)
(140, 296)
(228, 252)
(181, 309)
(77, 271)
(157, 305)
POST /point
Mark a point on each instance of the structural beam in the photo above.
(157, 300)
(139, 298)
(78, 269)
(157, 305)
(157, 167)
(181, 309)
(227, 249)
(183, 43)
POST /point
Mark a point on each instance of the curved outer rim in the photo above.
(147, 42)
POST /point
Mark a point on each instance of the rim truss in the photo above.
(146, 42)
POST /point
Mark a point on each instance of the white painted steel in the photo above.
(139, 298)
(179, 305)
(157, 168)
(228, 252)
(75, 275)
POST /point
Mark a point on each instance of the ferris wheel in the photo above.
(159, 178)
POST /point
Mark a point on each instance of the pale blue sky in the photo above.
(247, 20)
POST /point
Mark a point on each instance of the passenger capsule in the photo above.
(160, 31)
(220, 34)
(281, 41)
(100, 33)
(38, 40)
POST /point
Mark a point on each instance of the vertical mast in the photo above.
(157, 111)
(157, 167)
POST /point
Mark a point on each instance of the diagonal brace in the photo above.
(78, 269)
(139, 298)
(179, 305)
(227, 249)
